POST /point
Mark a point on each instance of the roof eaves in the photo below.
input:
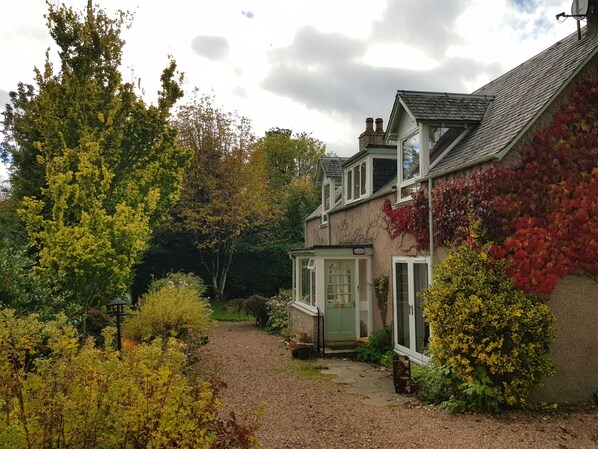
(463, 166)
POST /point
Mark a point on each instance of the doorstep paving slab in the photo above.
(373, 383)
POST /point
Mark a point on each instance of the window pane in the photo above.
(407, 190)
(440, 139)
(349, 184)
(339, 283)
(362, 179)
(327, 204)
(422, 329)
(402, 286)
(410, 151)
(304, 294)
(312, 291)
(356, 182)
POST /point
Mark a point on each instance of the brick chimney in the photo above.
(371, 136)
(592, 17)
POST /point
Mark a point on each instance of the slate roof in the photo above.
(332, 166)
(520, 97)
(445, 107)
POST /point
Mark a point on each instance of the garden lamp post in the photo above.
(117, 309)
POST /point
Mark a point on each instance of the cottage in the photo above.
(434, 138)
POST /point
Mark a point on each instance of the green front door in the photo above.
(340, 300)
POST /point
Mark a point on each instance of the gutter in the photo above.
(430, 228)
(490, 157)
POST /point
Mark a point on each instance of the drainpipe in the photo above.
(293, 287)
(430, 225)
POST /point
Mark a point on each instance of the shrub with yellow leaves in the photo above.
(490, 339)
(172, 311)
(56, 393)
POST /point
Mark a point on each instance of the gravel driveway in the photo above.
(305, 409)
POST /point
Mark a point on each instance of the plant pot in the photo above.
(302, 351)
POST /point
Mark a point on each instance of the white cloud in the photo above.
(309, 65)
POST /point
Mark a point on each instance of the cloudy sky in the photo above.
(316, 66)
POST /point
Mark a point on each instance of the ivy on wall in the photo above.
(542, 216)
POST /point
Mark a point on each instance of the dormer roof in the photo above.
(329, 167)
(501, 111)
(434, 106)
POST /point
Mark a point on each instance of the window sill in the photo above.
(305, 308)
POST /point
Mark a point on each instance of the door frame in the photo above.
(353, 266)
(410, 351)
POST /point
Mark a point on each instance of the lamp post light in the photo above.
(117, 309)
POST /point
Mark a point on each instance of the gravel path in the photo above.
(303, 410)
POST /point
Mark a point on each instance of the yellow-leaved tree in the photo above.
(94, 166)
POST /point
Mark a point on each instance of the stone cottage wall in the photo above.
(364, 223)
(574, 304)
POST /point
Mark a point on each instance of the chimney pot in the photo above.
(592, 17)
(369, 124)
(379, 123)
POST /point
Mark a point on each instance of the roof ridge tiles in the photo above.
(445, 94)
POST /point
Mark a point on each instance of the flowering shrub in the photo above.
(543, 215)
(278, 312)
(54, 393)
(490, 339)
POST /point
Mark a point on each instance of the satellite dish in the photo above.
(579, 9)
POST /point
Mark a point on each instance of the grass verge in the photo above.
(221, 311)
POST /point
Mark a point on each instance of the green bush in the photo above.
(278, 312)
(27, 290)
(170, 312)
(235, 306)
(378, 348)
(490, 339)
(87, 397)
(431, 385)
(257, 307)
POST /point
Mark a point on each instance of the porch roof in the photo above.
(363, 249)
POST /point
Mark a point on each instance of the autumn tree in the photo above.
(225, 194)
(291, 164)
(94, 166)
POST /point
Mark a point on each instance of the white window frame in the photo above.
(403, 184)
(424, 154)
(327, 204)
(410, 261)
(353, 173)
(311, 269)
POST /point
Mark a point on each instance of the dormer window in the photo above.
(359, 181)
(329, 178)
(356, 182)
(440, 139)
(417, 155)
(426, 126)
(410, 154)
